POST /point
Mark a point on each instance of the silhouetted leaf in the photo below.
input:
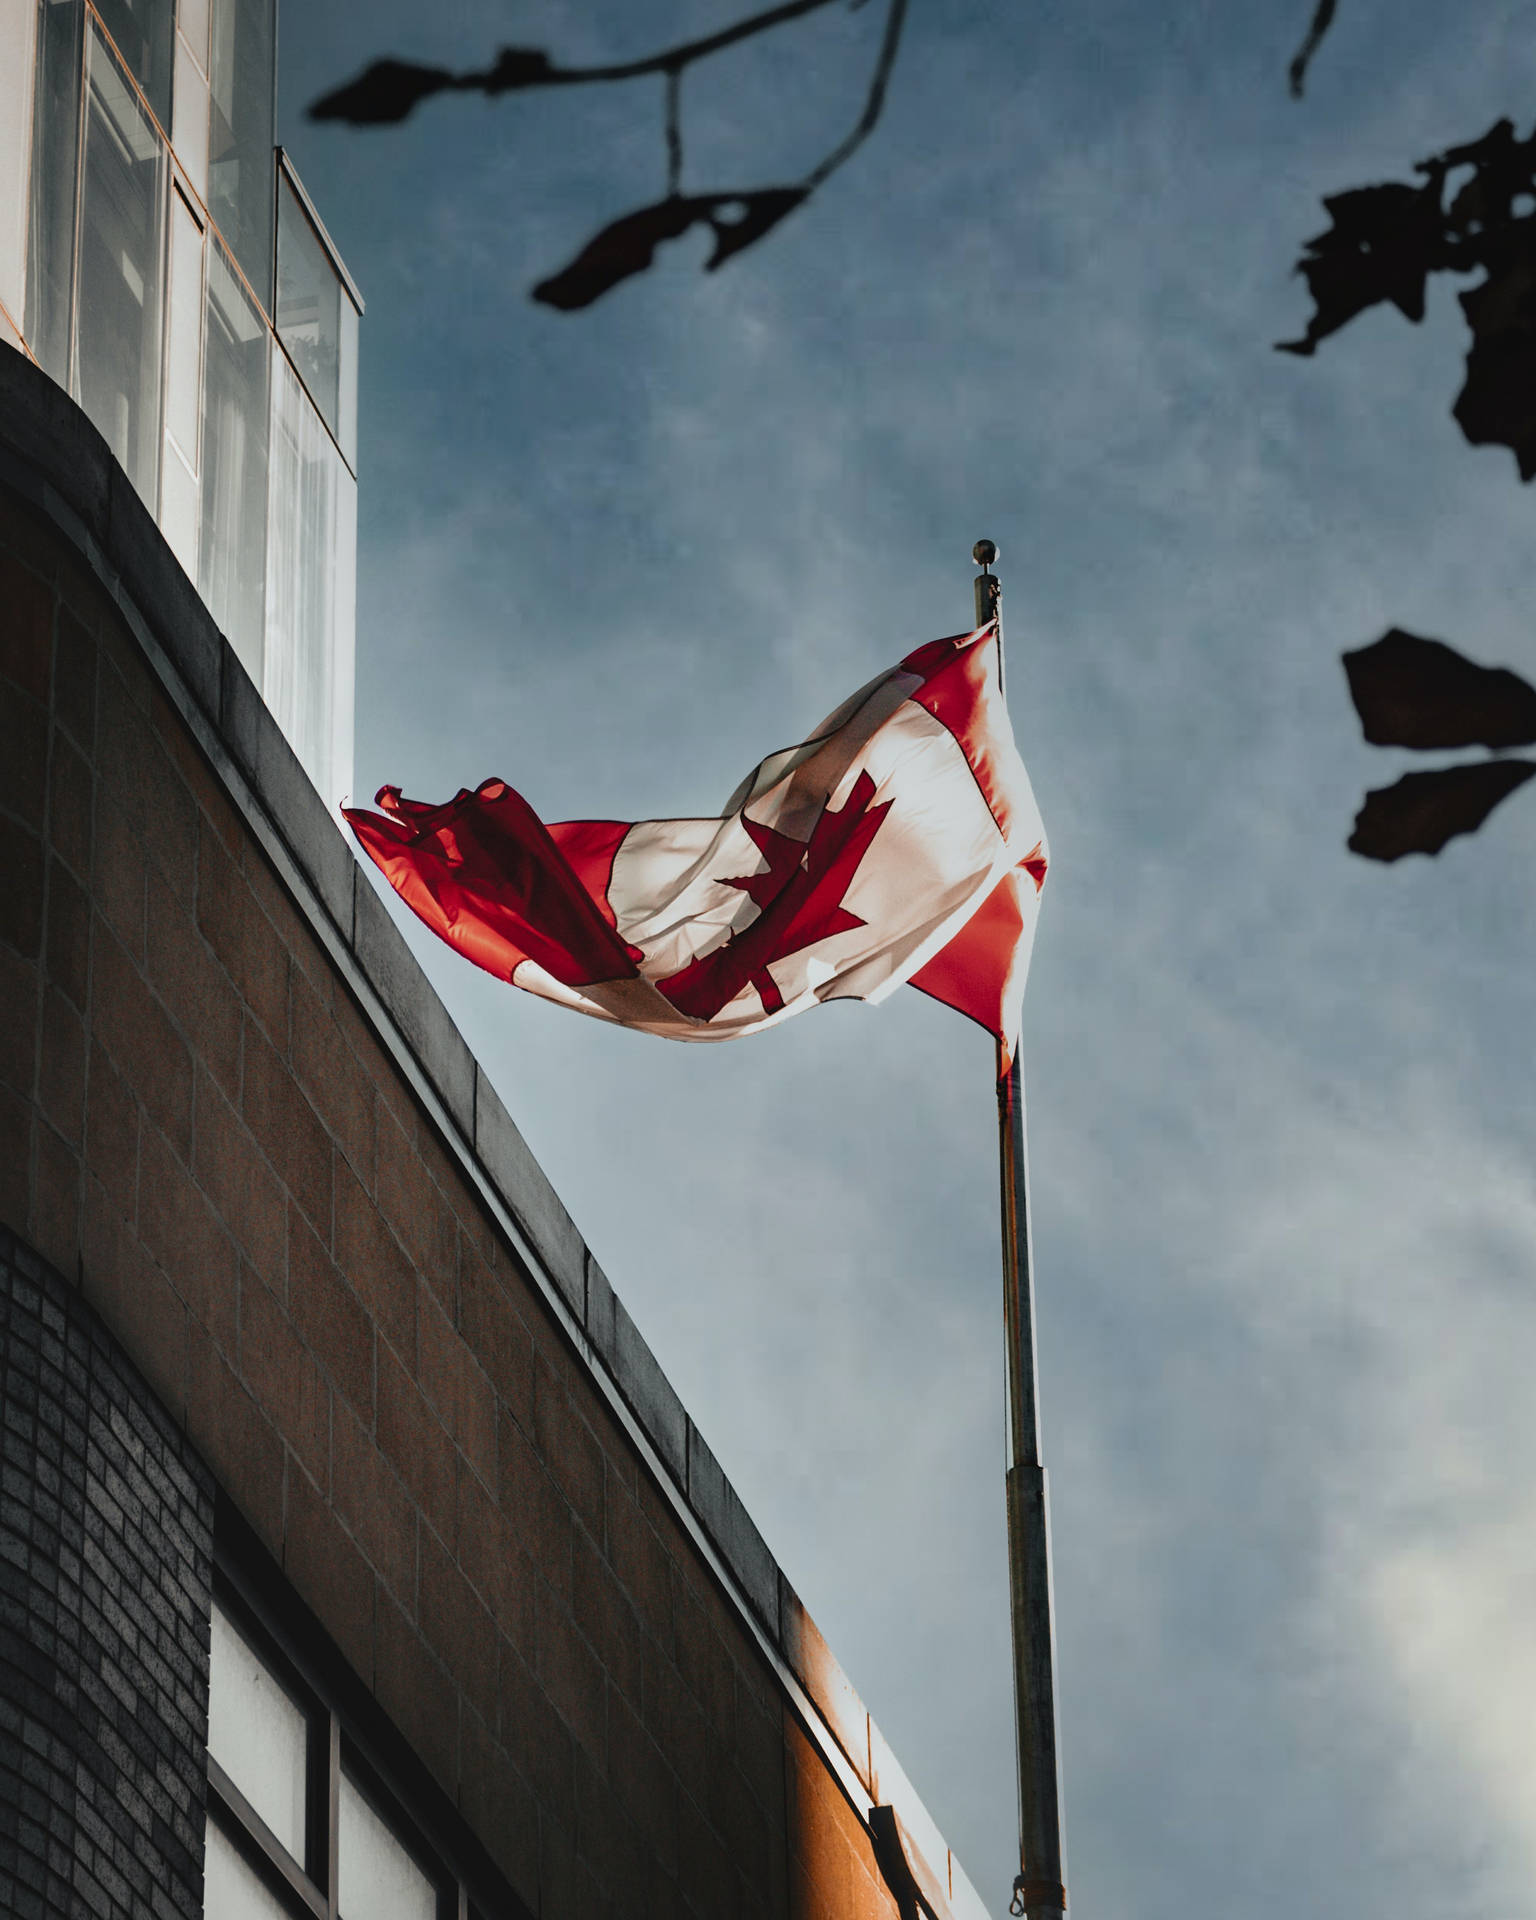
(1497, 405)
(627, 246)
(381, 94)
(1424, 810)
(1411, 692)
(1383, 244)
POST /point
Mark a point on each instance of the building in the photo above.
(356, 1557)
(162, 262)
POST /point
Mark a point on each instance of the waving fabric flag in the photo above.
(900, 842)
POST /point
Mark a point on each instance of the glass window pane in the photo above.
(376, 1878)
(240, 133)
(311, 557)
(346, 423)
(121, 263)
(55, 167)
(232, 560)
(184, 357)
(192, 18)
(189, 126)
(142, 31)
(231, 1890)
(309, 303)
(178, 507)
(258, 1734)
(18, 25)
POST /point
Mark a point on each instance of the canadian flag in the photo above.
(899, 843)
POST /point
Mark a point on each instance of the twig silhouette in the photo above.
(388, 91)
(1322, 20)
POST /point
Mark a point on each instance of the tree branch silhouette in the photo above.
(1322, 20)
(389, 90)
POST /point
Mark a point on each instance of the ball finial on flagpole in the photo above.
(984, 552)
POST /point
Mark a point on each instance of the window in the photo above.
(232, 559)
(142, 31)
(311, 586)
(299, 1823)
(55, 173)
(243, 65)
(183, 383)
(317, 311)
(18, 28)
(122, 267)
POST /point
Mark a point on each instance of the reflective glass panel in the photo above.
(178, 506)
(232, 557)
(184, 354)
(258, 1734)
(189, 122)
(311, 562)
(55, 170)
(142, 31)
(192, 18)
(18, 24)
(231, 1890)
(346, 426)
(376, 1878)
(309, 303)
(243, 73)
(122, 251)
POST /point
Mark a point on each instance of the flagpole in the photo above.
(1039, 1890)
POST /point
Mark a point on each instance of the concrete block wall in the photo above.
(233, 1109)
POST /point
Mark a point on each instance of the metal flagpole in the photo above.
(1039, 1891)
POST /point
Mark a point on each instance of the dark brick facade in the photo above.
(106, 1570)
(233, 1108)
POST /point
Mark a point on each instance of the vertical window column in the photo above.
(311, 567)
(183, 385)
(54, 184)
(190, 97)
(122, 263)
(231, 568)
(18, 30)
(242, 65)
(312, 515)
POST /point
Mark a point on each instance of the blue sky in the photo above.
(1281, 1132)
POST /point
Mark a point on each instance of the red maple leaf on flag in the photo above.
(801, 896)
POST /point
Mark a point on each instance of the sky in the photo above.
(1281, 1134)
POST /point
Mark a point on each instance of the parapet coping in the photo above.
(55, 460)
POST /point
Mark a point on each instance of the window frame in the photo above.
(308, 1889)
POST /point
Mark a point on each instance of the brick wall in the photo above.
(106, 1568)
(329, 1251)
